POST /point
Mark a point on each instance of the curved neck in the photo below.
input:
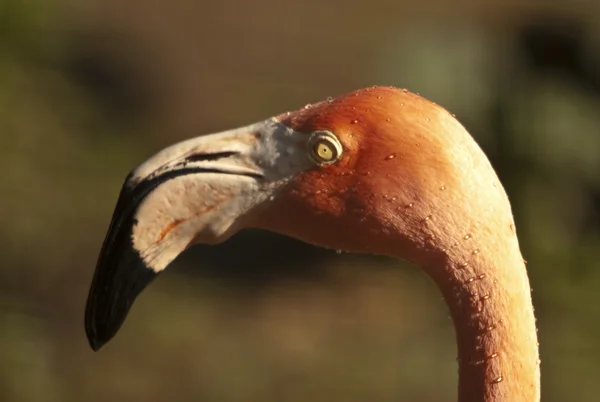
(489, 297)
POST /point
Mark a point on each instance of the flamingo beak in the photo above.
(201, 190)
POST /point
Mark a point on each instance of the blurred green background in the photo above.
(90, 88)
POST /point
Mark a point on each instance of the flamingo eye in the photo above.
(324, 147)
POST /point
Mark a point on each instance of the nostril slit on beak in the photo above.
(209, 157)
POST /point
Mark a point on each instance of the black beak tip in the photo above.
(95, 343)
(95, 339)
(113, 291)
(121, 274)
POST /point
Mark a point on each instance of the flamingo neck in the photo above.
(489, 297)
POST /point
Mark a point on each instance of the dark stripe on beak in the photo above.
(121, 274)
(209, 157)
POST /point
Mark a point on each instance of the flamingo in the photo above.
(379, 170)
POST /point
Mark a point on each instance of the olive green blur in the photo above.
(90, 88)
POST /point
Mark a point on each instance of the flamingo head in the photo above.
(375, 171)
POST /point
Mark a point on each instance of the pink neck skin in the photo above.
(488, 294)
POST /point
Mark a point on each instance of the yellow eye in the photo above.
(325, 148)
(324, 151)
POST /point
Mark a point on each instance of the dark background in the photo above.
(90, 88)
